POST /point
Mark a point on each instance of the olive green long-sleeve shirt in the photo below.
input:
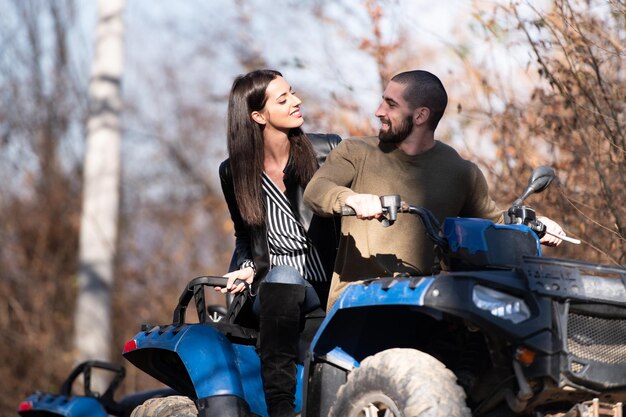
(438, 179)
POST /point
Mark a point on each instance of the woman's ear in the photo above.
(258, 117)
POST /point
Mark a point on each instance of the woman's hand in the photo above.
(245, 274)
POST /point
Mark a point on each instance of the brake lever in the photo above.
(565, 238)
(541, 230)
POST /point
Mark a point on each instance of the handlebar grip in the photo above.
(347, 211)
(211, 281)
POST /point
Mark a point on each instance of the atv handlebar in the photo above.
(517, 214)
(392, 205)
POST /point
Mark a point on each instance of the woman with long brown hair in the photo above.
(284, 251)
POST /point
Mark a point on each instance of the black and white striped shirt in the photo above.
(288, 243)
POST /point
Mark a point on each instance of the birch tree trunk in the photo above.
(98, 233)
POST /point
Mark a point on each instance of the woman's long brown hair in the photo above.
(245, 145)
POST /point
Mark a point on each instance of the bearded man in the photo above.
(405, 159)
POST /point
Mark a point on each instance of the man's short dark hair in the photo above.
(424, 89)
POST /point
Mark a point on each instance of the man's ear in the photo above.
(258, 117)
(421, 115)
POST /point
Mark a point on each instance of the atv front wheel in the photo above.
(174, 406)
(400, 383)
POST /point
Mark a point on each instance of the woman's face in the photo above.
(282, 108)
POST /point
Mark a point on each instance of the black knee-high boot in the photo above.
(279, 331)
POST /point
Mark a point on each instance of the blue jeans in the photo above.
(284, 274)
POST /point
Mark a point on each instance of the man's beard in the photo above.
(396, 136)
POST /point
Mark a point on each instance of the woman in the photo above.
(282, 250)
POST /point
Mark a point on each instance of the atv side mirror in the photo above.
(539, 180)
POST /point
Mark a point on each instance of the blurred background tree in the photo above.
(527, 86)
(43, 106)
(101, 192)
(571, 116)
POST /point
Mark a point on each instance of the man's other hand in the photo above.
(366, 206)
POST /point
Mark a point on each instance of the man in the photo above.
(406, 160)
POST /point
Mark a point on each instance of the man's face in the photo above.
(394, 114)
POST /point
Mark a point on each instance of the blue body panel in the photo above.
(461, 233)
(75, 406)
(214, 364)
(201, 344)
(369, 294)
(468, 233)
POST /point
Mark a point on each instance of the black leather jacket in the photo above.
(251, 242)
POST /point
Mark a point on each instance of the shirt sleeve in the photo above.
(479, 203)
(327, 191)
(242, 250)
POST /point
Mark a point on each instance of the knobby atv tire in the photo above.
(174, 406)
(400, 383)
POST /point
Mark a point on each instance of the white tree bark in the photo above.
(101, 188)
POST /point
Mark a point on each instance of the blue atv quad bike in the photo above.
(497, 331)
(90, 403)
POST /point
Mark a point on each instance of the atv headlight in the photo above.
(500, 304)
